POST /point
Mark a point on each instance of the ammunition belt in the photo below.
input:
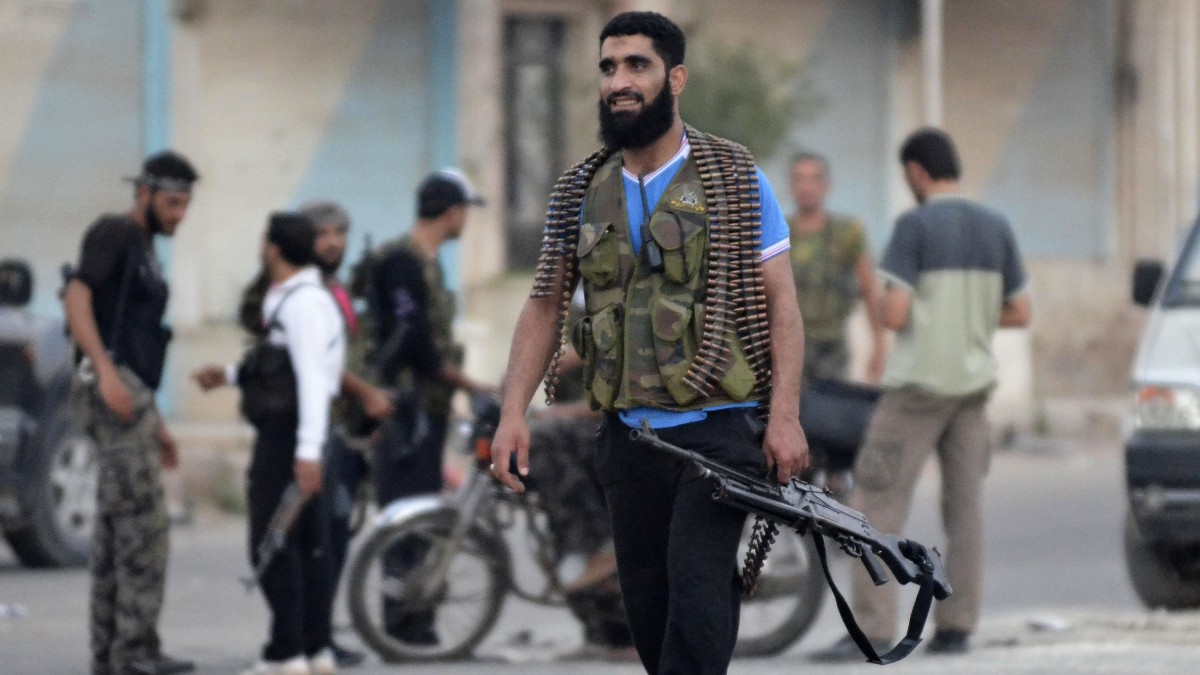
(558, 247)
(735, 285)
(734, 288)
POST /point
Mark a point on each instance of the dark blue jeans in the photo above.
(676, 547)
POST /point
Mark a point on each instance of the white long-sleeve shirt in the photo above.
(314, 333)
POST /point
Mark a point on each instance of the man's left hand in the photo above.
(785, 447)
(168, 449)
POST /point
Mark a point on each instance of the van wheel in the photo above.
(59, 498)
(1155, 573)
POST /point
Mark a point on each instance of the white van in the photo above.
(1162, 449)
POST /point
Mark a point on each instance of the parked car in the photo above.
(1162, 449)
(47, 465)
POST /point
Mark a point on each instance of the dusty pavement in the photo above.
(1056, 600)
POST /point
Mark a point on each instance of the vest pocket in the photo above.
(682, 247)
(598, 253)
(585, 347)
(674, 344)
(601, 335)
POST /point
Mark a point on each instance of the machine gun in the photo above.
(290, 505)
(810, 510)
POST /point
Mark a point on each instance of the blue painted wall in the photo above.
(396, 123)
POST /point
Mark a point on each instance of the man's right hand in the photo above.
(512, 436)
(308, 476)
(116, 396)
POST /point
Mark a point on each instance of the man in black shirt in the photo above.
(115, 305)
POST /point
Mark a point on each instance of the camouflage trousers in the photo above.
(129, 547)
(561, 471)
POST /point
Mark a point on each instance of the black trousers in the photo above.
(408, 462)
(344, 476)
(299, 583)
(676, 547)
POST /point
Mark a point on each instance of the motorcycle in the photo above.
(466, 571)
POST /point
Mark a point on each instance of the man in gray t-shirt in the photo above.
(953, 276)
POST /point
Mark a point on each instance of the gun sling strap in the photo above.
(916, 619)
(763, 536)
(809, 510)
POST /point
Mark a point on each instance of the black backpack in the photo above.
(266, 377)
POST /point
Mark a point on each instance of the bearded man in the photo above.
(691, 326)
(115, 304)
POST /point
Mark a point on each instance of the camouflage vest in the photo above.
(441, 309)
(643, 327)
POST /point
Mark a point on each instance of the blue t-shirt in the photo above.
(775, 240)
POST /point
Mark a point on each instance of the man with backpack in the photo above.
(288, 381)
(415, 355)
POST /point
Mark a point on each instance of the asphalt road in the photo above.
(1056, 595)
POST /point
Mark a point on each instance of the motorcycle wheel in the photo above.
(791, 590)
(463, 609)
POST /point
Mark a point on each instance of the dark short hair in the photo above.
(933, 151)
(810, 156)
(294, 234)
(443, 189)
(167, 170)
(667, 38)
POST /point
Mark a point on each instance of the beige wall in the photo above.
(252, 97)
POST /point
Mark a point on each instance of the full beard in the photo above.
(328, 267)
(634, 131)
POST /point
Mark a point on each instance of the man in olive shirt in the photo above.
(832, 268)
(954, 276)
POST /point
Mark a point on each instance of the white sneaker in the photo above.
(297, 665)
(323, 662)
